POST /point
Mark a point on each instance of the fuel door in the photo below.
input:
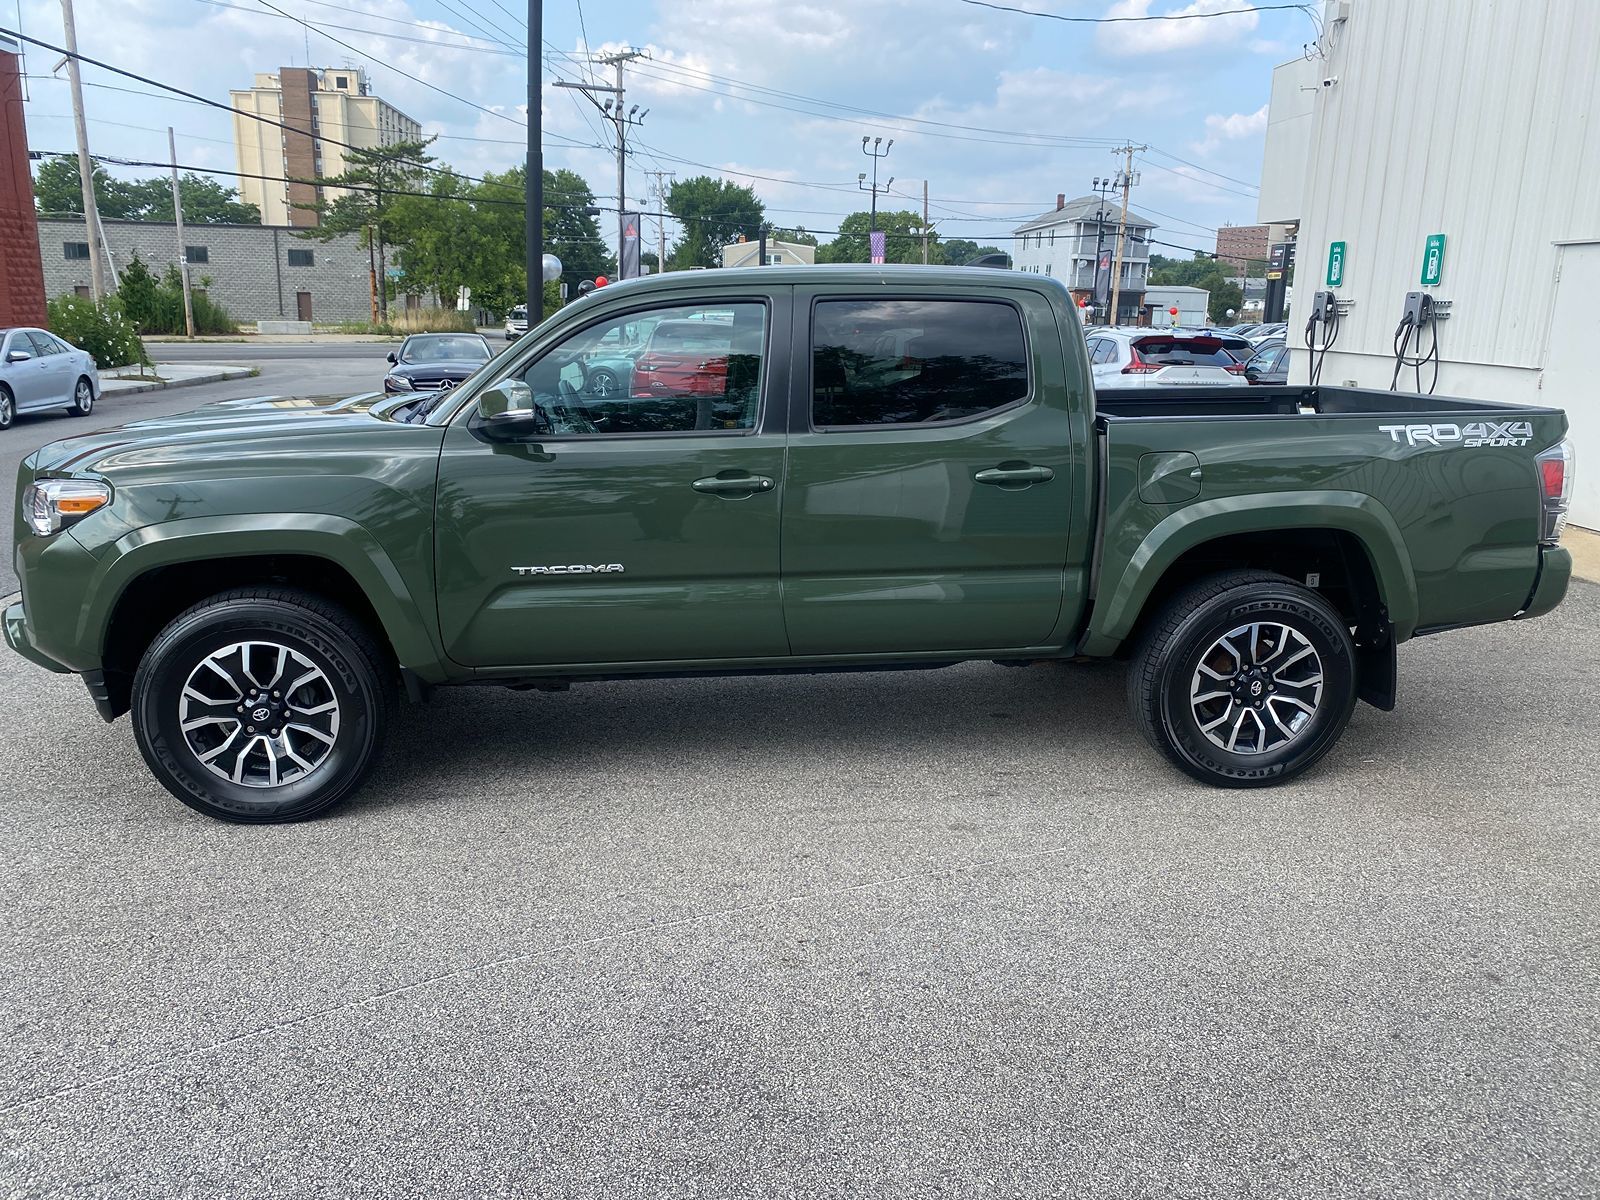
(1168, 477)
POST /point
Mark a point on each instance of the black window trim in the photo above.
(69, 251)
(532, 354)
(291, 251)
(808, 396)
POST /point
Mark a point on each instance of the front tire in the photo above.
(262, 705)
(82, 398)
(8, 408)
(1245, 679)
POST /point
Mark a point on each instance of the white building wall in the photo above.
(1283, 170)
(1476, 120)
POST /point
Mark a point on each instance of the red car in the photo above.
(683, 358)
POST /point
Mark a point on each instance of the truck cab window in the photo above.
(670, 370)
(912, 362)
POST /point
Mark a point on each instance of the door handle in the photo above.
(1014, 475)
(737, 485)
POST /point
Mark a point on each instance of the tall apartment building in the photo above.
(322, 102)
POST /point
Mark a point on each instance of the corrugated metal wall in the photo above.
(1472, 118)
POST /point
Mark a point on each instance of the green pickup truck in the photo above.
(844, 467)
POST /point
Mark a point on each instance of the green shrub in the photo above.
(156, 306)
(101, 329)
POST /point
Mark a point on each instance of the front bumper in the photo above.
(20, 639)
(1550, 588)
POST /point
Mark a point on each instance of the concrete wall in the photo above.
(21, 278)
(248, 266)
(1486, 130)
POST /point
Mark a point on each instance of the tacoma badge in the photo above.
(574, 569)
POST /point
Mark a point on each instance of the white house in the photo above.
(779, 254)
(1066, 242)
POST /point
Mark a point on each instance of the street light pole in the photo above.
(874, 154)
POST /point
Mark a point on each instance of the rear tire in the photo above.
(8, 407)
(262, 705)
(1245, 679)
(82, 398)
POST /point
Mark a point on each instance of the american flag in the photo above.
(875, 238)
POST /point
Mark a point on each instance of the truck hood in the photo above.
(217, 429)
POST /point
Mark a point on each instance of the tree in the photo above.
(1202, 271)
(713, 213)
(373, 176)
(795, 237)
(959, 251)
(205, 202)
(902, 243)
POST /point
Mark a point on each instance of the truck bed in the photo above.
(1442, 495)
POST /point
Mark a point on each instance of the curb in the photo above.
(132, 387)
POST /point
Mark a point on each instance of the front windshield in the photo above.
(445, 347)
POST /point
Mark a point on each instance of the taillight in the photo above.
(1236, 369)
(1555, 484)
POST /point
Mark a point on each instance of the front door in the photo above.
(930, 487)
(302, 305)
(28, 380)
(642, 525)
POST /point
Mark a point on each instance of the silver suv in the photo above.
(1130, 358)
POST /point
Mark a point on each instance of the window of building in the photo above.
(82, 289)
(685, 369)
(196, 254)
(301, 258)
(341, 81)
(912, 362)
(72, 250)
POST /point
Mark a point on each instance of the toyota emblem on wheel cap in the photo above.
(260, 715)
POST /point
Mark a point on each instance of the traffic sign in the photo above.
(1432, 260)
(1336, 264)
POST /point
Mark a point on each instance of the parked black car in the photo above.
(1269, 365)
(427, 362)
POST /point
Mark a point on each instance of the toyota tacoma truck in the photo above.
(833, 468)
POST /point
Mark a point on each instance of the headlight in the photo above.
(50, 505)
(398, 383)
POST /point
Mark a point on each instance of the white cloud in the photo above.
(1232, 127)
(1144, 38)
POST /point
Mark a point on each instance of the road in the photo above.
(934, 933)
(340, 367)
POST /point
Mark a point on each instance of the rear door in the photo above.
(929, 491)
(58, 369)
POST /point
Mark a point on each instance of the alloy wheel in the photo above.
(1256, 688)
(259, 714)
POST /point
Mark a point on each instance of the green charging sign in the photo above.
(1336, 265)
(1432, 260)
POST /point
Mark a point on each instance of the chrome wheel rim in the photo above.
(83, 396)
(5, 409)
(1256, 688)
(602, 384)
(259, 714)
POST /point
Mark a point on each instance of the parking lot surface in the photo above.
(930, 933)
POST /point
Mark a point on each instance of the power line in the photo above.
(1207, 170)
(1182, 16)
(480, 46)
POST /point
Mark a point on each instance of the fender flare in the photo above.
(337, 540)
(1121, 602)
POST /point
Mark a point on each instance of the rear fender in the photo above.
(1126, 587)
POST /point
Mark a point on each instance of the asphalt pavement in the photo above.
(949, 933)
(339, 368)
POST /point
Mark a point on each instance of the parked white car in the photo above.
(1129, 358)
(516, 322)
(38, 370)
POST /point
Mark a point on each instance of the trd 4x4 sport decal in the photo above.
(1471, 435)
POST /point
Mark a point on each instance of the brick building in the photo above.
(1239, 246)
(256, 272)
(22, 290)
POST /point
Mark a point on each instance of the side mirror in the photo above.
(18, 356)
(507, 413)
(393, 358)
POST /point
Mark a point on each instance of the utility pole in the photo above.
(612, 111)
(533, 202)
(183, 250)
(1126, 182)
(924, 222)
(660, 193)
(91, 212)
(861, 180)
(1101, 187)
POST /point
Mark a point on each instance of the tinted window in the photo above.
(444, 347)
(901, 362)
(1184, 352)
(673, 370)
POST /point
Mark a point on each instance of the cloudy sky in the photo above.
(999, 111)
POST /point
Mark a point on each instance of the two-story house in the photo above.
(1077, 241)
